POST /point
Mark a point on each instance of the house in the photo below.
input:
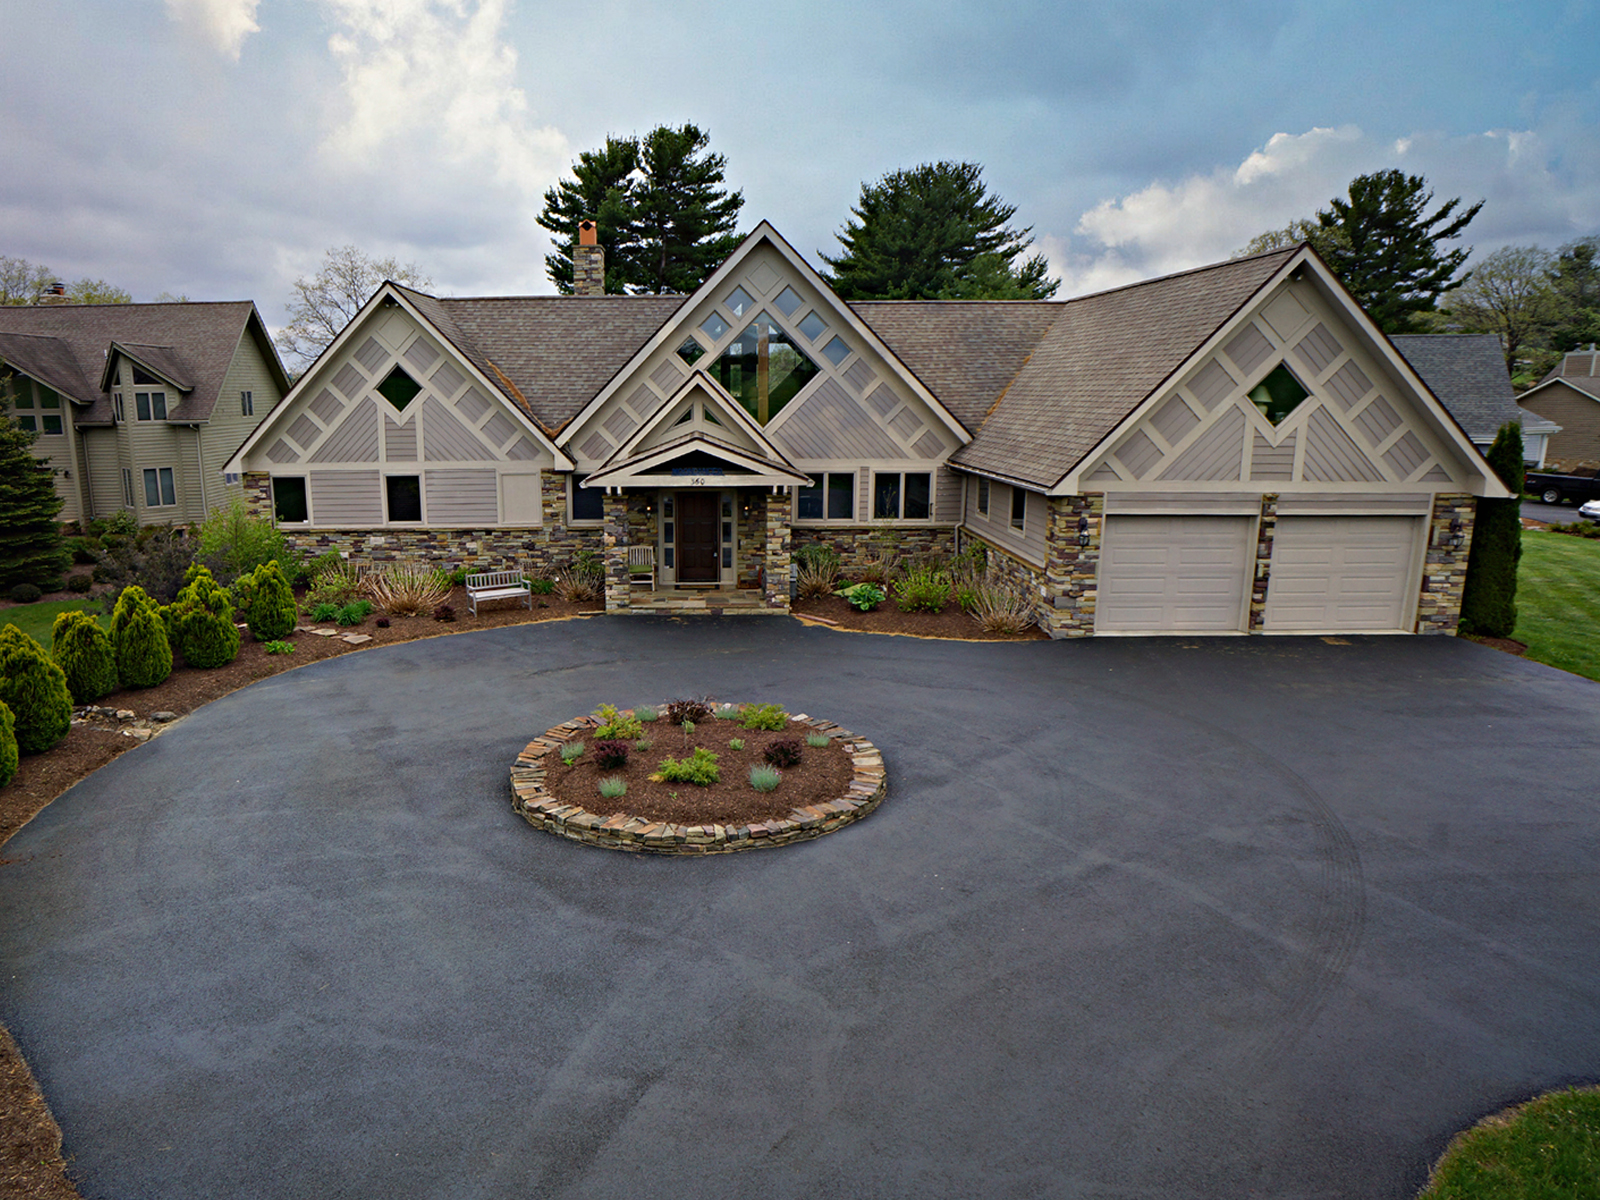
(138, 406)
(1467, 372)
(1230, 449)
(1570, 397)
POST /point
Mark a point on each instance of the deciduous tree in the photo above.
(1509, 294)
(324, 304)
(23, 282)
(934, 232)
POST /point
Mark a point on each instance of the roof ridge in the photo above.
(1219, 266)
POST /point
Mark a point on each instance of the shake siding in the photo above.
(465, 498)
(345, 498)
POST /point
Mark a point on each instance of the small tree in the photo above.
(200, 622)
(8, 745)
(233, 543)
(139, 640)
(30, 540)
(1489, 599)
(83, 652)
(35, 690)
(271, 612)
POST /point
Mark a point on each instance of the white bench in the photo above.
(497, 585)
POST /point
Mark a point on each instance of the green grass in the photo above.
(1547, 1149)
(1558, 601)
(38, 620)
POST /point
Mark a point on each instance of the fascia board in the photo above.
(726, 405)
(117, 348)
(688, 444)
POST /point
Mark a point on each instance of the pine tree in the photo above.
(1489, 599)
(934, 232)
(660, 207)
(271, 612)
(31, 550)
(200, 622)
(1386, 250)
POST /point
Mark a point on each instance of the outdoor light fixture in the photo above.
(1083, 531)
(1456, 536)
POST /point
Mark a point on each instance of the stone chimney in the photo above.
(588, 262)
(56, 293)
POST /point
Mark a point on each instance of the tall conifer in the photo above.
(30, 540)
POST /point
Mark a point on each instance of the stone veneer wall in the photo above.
(1444, 574)
(750, 534)
(536, 549)
(857, 546)
(780, 537)
(1064, 588)
(1261, 577)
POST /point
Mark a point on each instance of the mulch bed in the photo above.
(1509, 645)
(886, 618)
(824, 773)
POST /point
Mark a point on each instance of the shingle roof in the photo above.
(1467, 372)
(1577, 364)
(197, 340)
(555, 352)
(965, 352)
(164, 361)
(47, 359)
(1104, 355)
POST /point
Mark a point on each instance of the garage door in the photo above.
(1173, 574)
(1341, 574)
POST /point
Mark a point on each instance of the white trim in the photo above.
(726, 404)
(634, 472)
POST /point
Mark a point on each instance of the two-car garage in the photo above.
(1330, 572)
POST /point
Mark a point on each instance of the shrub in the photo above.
(232, 543)
(83, 652)
(643, 744)
(763, 716)
(764, 779)
(1583, 529)
(158, 561)
(25, 593)
(354, 613)
(578, 587)
(735, 743)
(139, 639)
(444, 613)
(922, 587)
(458, 577)
(611, 754)
(785, 752)
(726, 712)
(8, 745)
(1489, 596)
(541, 586)
(279, 647)
(571, 752)
(687, 709)
(1002, 606)
(699, 768)
(82, 551)
(864, 595)
(647, 712)
(336, 583)
(966, 597)
(311, 568)
(271, 611)
(35, 690)
(325, 611)
(817, 554)
(200, 622)
(80, 583)
(817, 740)
(407, 590)
(816, 570)
(614, 725)
(613, 788)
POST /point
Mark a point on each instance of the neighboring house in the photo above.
(138, 406)
(1467, 372)
(1231, 449)
(1570, 397)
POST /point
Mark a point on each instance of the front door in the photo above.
(698, 541)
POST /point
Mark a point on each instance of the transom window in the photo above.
(159, 490)
(907, 497)
(763, 368)
(289, 499)
(1279, 394)
(829, 497)
(140, 375)
(150, 406)
(399, 389)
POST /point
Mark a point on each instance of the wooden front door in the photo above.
(698, 540)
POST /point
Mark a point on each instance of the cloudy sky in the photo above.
(216, 148)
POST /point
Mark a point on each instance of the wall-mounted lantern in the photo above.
(1083, 531)
(1456, 535)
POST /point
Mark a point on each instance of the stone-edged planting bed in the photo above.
(624, 831)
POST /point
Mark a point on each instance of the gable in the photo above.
(775, 339)
(1359, 422)
(698, 408)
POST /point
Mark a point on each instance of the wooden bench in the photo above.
(497, 585)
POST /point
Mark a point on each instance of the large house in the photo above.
(1233, 449)
(138, 406)
(1569, 396)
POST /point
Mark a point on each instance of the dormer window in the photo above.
(763, 368)
(150, 406)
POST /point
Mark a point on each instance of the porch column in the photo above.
(1445, 573)
(779, 531)
(616, 551)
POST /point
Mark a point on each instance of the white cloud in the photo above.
(222, 23)
(1539, 186)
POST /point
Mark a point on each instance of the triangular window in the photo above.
(398, 388)
(763, 369)
(1278, 395)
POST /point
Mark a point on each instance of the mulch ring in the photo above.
(952, 622)
(1509, 645)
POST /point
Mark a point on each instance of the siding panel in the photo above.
(1217, 454)
(445, 439)
(1332, 455)
(830, 424)
(1173, 420)
(462, 498)
(347, 498)
(1138, 453)
(1318, 349)
(1378, 420)
(1273, 462)
(1348, 384)
(1211, 385)
(1250, 349)
(399, 441)
(355, 439)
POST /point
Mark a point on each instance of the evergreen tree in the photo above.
(1576, 279)
(8, 745)
(30, 540)
(83, 652)
(1489, 600)
(1386, 249)
(271, 611)
(200, 622)
(660, 207)
(139, 640)
(35, 690)
(934, 232)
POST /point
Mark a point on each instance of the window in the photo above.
(1278, 395)
(763, 368)
(828, 497)
(141, 376)
(404, 493)
(1019, 508)
(399, 389)
(26, 394)
(289, 499)
(910, 500)
(588, 504)
(127, 487)
(159, 491)
(52, 424)
(150, 406)
(983, 497)
(117, 414)
(691, 351)
(247, 404)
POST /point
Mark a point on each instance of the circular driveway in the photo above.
(1176, 917)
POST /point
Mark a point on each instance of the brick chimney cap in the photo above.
(587, 234)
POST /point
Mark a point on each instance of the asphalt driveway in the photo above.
(1139, 917)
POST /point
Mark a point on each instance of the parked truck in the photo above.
(1553, 489)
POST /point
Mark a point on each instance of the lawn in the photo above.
(38, 620)
(1547, 1149)
(1558, 601)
